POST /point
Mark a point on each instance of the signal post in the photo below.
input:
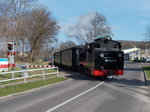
(11, 54)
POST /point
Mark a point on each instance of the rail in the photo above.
(25, 74)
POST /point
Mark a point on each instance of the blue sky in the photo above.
(128, 19)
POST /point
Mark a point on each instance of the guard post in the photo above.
(24, 68)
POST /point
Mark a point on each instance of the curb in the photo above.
(3, 98)
(145, 78)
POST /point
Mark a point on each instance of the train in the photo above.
(101, 58)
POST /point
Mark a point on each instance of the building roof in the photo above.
(126, 51)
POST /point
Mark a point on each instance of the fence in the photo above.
(25, 74)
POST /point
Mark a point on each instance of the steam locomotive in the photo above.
(101, 58)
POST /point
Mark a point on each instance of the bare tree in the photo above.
(39, 26)
(10, 12)
(98, 27)
(67, 44)
(27, 26)
(147, 38)
(147, 34)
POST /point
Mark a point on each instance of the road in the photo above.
(86, 94)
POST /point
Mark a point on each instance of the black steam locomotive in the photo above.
(101, 58)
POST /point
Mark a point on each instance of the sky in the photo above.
(128, 19)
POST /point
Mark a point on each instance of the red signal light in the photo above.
(10, 46)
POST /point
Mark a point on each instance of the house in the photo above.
(131, 53)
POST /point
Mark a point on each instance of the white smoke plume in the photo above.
(79, 29)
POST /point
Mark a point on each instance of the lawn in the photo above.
(24, 87)
(147, 70)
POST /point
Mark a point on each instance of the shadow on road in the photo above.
(124, 81)
(81, 76)
(132, 85)
(120, 80)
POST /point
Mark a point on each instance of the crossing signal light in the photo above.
(10, 46)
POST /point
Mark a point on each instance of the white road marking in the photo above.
(54, 108)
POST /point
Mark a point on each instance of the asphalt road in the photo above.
(86, 94)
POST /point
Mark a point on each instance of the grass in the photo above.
(147, 70)
(40, 63)
(24, 87)
(28, 79)
(11, 82)
(15, 69)
(1, 78)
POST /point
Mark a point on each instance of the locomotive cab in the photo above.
(104, 58)
(107, 63)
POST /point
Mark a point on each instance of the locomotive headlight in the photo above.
(119, 55)
(101, 54)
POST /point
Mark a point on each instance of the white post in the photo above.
(43, 74)
(25, 80)
(12, 74)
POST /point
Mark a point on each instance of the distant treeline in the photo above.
(138, 44)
